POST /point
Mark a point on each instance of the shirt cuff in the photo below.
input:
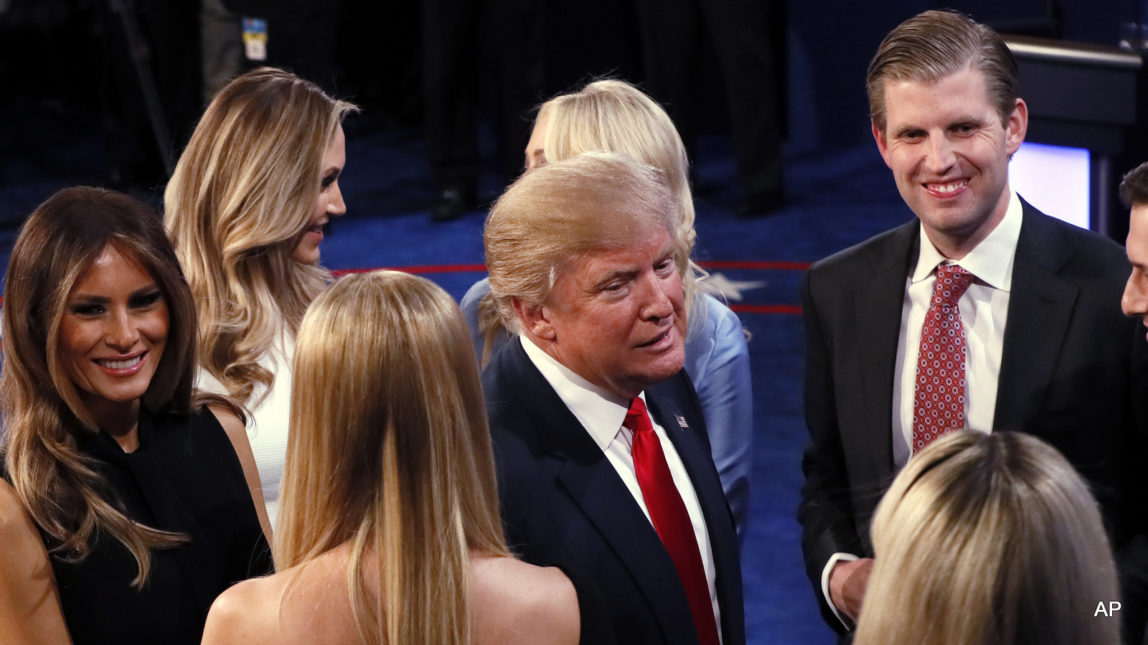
(837, 557)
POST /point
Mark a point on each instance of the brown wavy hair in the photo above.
(42, 410)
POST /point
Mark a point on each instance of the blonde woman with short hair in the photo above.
(989, 538)
(611, 115)
(246, 210)
(390, 530)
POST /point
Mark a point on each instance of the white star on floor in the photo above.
(730, 289)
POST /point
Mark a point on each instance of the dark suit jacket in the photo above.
(1068, 375)
(564, 504)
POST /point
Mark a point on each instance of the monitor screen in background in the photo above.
(1054, 179)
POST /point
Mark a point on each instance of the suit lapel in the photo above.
(596, 489)
(1040, 308)
(878, 301)
(719, 520)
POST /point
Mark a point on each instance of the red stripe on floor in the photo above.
(766, 309)
(754, 264)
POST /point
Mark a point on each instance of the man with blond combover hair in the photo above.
(585, 272)
(1035, 343)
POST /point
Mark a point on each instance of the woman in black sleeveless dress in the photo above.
(142, 495)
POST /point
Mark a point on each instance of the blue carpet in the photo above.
(835, 199)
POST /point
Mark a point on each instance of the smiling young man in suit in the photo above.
(604, 465)
(982, 314)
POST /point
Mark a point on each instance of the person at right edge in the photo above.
(984, 315)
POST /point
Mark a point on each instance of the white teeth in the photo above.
(120, 365)
(946, 188)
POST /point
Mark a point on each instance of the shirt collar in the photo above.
(990, 261)
(600, 412)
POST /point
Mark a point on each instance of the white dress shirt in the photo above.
(601, 414)
(984, 313)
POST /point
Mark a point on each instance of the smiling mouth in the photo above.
(946, 188)
(120, 363)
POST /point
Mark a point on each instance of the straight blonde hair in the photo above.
(989, 539)
(389, 451)
(241, 195)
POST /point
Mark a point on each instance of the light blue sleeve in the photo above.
(469, 306)
(717, 360)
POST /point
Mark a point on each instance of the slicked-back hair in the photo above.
(1134, 186)
(935, 44)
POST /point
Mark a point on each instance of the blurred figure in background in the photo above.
(452, 49)
(748, 37)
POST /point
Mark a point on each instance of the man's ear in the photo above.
(882, 144)
(535, 319)
(1016, 127)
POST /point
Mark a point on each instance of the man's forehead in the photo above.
(623, 253)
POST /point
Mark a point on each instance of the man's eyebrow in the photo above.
(906, 129)
(610, 276)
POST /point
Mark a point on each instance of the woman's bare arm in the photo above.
(29, 602)
(237, 433)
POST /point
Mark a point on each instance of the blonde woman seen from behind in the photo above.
(390, 531)
(246, 210)
(989, 538)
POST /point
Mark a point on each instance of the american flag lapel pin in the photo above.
(682, 422)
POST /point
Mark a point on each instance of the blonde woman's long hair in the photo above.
(611, 115)
(989, 539)
(43, 411)
(389, 451)
(241, 196)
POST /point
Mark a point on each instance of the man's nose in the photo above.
(939, 156)
(658, 304)
(1135, 299)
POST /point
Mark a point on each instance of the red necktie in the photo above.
(939, 394)
(670, 518)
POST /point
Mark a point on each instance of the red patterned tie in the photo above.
(939, 401)
(670, 518)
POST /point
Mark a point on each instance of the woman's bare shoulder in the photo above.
(515, 602)
(286, 608)
(246, 612)
(17, 532)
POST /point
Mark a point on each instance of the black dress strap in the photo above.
(594, 619)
